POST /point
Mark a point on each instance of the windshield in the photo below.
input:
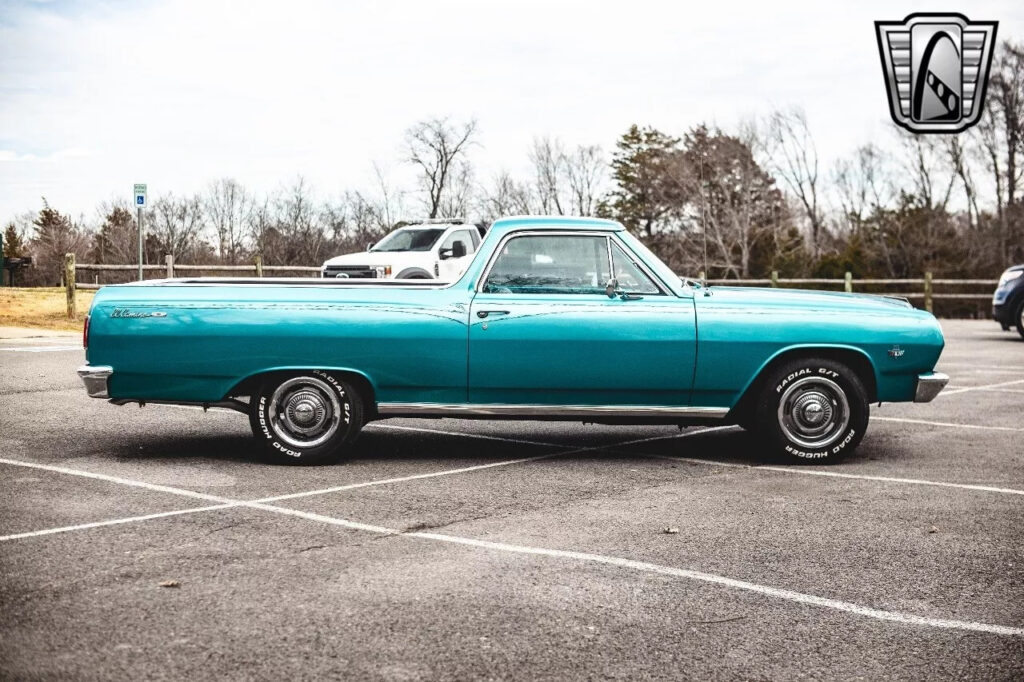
(660, 269)
(409, 239)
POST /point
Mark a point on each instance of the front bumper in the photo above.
(929, 385)
(95, 378)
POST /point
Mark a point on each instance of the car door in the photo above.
(544, 331)
(450, 266)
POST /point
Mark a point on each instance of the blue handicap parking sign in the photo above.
(139, 199)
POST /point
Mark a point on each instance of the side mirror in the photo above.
(612, 288)
(458, 249)
(444, 254)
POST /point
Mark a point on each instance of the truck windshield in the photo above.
(409, 240)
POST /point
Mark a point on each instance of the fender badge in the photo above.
(896, 352)
(125, 312)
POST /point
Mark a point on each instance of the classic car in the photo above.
(556, 318)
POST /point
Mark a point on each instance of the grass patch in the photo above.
(41, 308)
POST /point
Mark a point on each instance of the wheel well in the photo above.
(858, 362)
(412, 273)
(249, 385)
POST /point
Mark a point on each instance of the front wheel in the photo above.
(1020, 319)
(813, 410)
(306, 417)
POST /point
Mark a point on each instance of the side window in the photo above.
(475, 234)
(629, 275)
(550, 264)
(463, 236)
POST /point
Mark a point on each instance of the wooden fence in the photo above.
(926, 291)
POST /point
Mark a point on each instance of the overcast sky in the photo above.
(95, 96)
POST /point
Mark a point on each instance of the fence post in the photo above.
(775, 279)
(928, 291)
(169, 259)
(848, 282)
(259, 265)
(69, 282)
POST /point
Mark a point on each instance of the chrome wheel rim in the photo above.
(306, 412)
(814, 412)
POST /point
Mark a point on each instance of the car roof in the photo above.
(554, 222)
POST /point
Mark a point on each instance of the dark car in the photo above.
(1008, 301)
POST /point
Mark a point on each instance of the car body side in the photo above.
(204, 341)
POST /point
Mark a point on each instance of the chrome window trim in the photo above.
(656, 281)
(478, 287)
(530, 410)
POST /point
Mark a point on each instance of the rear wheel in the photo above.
(813, 410)
(307, 417)
(1020, 318)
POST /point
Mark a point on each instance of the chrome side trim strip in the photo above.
(929, 385)
(95, 379)
(505, 410)
(230, 403)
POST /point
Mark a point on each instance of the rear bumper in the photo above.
(929, 385)
(95, 378)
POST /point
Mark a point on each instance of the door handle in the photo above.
(484, 313)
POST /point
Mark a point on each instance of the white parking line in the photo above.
(226, 504)
(724, 581)
(980, 388)
(114, 522)
(948, 424)
(835, 474)
(41, 349)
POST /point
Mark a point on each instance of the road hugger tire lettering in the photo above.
(812, 410)
(306, 417)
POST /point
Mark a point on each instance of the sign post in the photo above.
(140, 203)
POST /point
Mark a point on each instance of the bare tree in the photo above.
(505, 197)
(117, 239)
(585, 170)
(227, 206)
(175, 224)
(55, 235)
(438, 149)
(932, 180)
(549, 166)
(863, 183)
(793, 156)
(297, 220)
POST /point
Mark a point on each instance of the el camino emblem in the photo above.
(896, 352)
(125, 312)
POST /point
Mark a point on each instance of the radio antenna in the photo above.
(703, 222)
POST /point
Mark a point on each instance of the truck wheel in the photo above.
(813, 410)
(306, 418)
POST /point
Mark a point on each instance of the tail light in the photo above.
(85, 333)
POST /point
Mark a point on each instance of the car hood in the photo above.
(824, 301)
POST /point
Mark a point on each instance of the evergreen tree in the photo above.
(13, 245)
(644, 192)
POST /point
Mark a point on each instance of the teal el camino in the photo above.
(556, 318)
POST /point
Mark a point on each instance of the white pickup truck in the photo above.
(429, 250)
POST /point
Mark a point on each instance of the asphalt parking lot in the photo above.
(449, 549)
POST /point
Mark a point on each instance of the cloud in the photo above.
(95, 97)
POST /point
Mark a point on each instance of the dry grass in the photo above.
(41, 308)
